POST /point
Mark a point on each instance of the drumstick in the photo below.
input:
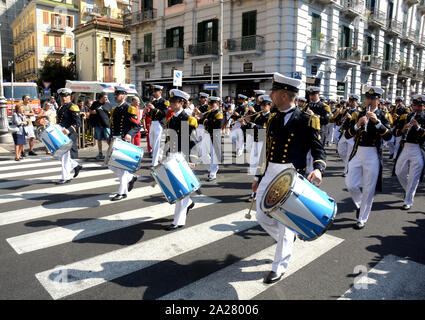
(248, 215)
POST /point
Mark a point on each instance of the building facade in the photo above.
(102, 44)
(339, 45)
(43, 30)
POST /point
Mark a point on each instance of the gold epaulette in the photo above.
(327, 108)
(167, 103)
(74, 108)
(219, 116)
(355, 116)
(403, 116)
(132, 110)
(314, 122)
(193, 122)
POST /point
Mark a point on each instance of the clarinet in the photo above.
(411, 126)
(367, 121)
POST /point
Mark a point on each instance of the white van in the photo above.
(86, 90)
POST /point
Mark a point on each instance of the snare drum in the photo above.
(124, 155)
(299, 205)
(55, 140)
(175, 178)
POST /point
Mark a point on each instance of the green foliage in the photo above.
(55, 72)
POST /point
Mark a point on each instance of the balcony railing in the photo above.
(349, 54)
(421, 7)
(321, 47)
(372, 62)
(390, 66)
(352, 7)
(203, 49)
(249, 43)
(411, 2)
(57, 51)
(418, 74)
(376, 18)
(57, 28)
(394, 27)
(141, 58)
(171, 54)
(406, 72)
(106, 56)
(139, 17)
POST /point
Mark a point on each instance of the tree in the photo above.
(55, 72)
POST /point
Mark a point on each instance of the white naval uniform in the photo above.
(345, 146)
(155, 136)
(408, 169)
(68, 164)
(237, 138)
(124, 177)
(330, 133)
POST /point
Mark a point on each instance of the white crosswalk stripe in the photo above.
(30, 165)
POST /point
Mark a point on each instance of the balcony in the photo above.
(408, 35)
(376, 19)
(321, 49)
(57, 28)
(107, 79)
(421, 7)
(29, 29)
(245, 46)
(58, 51)
(390, 67)
(349, 56)
(106, 58)
(394, 27)
(352, 8)
(142, 59)
(140, 17)
(204, 50)
(405, 72)
(371, 63)
(418, 74)
(169, 55)
(411, 2)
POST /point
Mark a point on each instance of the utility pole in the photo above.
(221, 48)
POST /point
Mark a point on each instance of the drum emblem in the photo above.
(279, 190)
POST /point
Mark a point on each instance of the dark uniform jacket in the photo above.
(400, 111)
(160, 111)
(345, 122)
(68, 116)
(372, 138)
(178, 131)
(259, 123)
(203, 108)
(124, 120)
(290, 143)
(322, 110)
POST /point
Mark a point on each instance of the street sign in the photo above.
(297, 75)
(46, 92)
(211, 86)
(178, 78)
(46, 84)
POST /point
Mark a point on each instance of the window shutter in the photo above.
(169, 38)
(46, 40)
(201, 32)
(71, 22)
(181, 37)
(215, 30)
(52, 16)
(45, 17)
(114, 42)
(103, 45)
(147, 45)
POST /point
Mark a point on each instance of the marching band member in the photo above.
(157, 112)
(330, 127)
(291, 133)
(258, 123)
(301, 103)
(213, 124)
(178, 99)
(68, 116)
(397, 111)
(345, 146)
(201, 134)
(238, 131)
(368, 128)
(257, 95)
(410, 161)
(125, 124)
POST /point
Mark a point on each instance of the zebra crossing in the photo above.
(211, 223)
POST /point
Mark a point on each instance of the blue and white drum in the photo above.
(175, 178)
(55, 140)
(124, 155)
(299, 205)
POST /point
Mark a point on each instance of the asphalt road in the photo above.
(71, 242)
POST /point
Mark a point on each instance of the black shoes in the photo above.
(272, 277)
(359, 226)
(119, 197)
(173, 227)
(405, 207)
(22, 155)
(190, 208)
(211, 179)
(131, 183)
(63, 181)
(77, 170)
(32, 153)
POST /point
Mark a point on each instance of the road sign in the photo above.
(46, 92)
(297, 75)
(211, 86)
(178, 78)
(46, 84)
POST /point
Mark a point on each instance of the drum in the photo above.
(175, 178)
(55, 140)
(124, 155)
(299, 205)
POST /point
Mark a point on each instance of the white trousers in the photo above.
(257, 148)
(68, 164)
(284, 236)
(363, 171)
(237, 138)
(390, 144)
(180, 211)
(345, 146)
(337, 135)
(408, 170)
(397, 141)
(124, 177)
(155, 136)
(213, 160)
(330, 133)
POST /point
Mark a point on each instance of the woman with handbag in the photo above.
(19, 122)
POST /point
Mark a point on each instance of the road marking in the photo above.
(32, 166)
(244, 280)
(60, 189)
(28, 160)
(77, 231)
(63, 281)
(393, 278)
(56, 208)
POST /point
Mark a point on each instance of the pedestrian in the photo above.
(53, 103)
(135, 102)
(46, 116)
(409, 166)
(29, 129)
(99, 119)
(364, 176)
(20, 121)
(291, 133)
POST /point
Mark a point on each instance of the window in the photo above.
(249, 23)
(68, 42)
(148, 4)
(147, 47)
(70, 21)
(174, 2)
(315, 26)
(208, 31)
(174, 38)
(45, 17)
(345, 37)
(368, 45)
(46, 41)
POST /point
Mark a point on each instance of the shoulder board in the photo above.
(327, 108)
(132, 110)
(193, 122)
(74, 108)
(355, 115)
(314, 122)
(403, 116)
(219, 116)
(167, 103)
